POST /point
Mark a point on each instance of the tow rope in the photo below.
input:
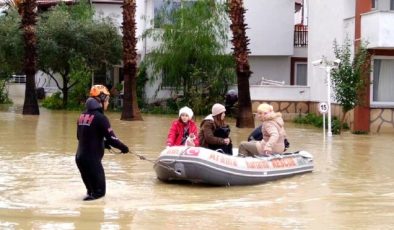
(154, 162)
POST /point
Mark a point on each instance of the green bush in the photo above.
(357, 132)
(317, 121)
(158, 109)
(53, 102)
(4, 99)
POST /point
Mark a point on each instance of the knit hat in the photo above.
(265, 108)
(187, 111)
(218, 109)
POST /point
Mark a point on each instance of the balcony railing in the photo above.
(300, 36)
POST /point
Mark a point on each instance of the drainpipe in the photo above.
(302, 13)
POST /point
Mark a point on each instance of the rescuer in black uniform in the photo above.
(94, 132)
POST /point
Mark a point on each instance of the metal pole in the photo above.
(328, 70)
(324, 125)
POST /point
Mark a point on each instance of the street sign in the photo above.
(323, 107)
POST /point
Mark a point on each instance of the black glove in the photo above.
(125, 149)
(287, 144)
(106, 145)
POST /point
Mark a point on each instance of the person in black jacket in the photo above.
(94, 132)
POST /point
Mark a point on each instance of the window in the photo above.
(164, 8)
(301, 73)
(374, 4)
(383, 82)
(391, 4)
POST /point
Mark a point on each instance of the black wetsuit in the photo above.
(93, 129)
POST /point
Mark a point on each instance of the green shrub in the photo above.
(158, 109)
(317, 121)
(53, 102)
(4, 99)
(357, 132)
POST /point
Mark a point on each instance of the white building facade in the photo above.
(370, 21)
(273, 57)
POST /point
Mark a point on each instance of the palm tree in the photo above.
(130, 104)
(27, 9)
(240, 45)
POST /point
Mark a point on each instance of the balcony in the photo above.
(377, 29)
(300, 36)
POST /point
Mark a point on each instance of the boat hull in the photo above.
(201, 165)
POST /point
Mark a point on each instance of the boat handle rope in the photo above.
(154, 162)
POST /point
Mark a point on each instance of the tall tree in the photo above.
(130, 104)
(240, 46)
(11, 49)
(73, 33)
(28, 10)
(191, 58)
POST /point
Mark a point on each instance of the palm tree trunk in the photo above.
(241, 51)
(28, 10)
(130, 105)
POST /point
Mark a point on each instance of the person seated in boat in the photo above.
(257, 135)
(183, 130)
(214, 133)
(273, 133)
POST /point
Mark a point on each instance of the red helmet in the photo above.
(97, 90)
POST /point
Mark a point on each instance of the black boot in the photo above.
(89, 197)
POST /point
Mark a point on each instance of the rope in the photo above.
(141, 157)
(154, 162)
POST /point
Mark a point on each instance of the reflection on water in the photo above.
(40, 186)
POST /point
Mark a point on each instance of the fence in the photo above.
(300, 35)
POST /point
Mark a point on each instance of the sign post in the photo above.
(328, 70)
(328, 66)
(323, 109)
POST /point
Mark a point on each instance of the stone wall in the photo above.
(382, 120)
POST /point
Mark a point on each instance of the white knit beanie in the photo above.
(218, 109)
(187, 111)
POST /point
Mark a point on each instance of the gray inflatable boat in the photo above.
(201, 165)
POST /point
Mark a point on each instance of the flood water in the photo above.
(352, 186)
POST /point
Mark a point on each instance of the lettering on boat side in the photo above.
(187, 152)
(173, 151)
(283, 163)
(275, 163)
(222, 159)
(257, 164)
(192, 152)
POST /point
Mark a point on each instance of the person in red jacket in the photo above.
(183, 131)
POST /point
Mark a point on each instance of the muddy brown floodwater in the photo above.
(352, 186)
